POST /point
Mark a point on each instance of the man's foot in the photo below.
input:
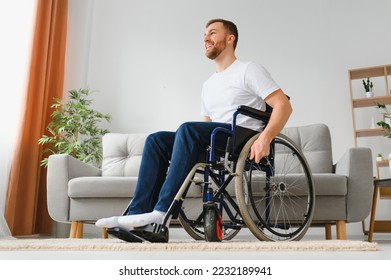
(140, 220)
(108, 222)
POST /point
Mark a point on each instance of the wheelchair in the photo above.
(274, 198)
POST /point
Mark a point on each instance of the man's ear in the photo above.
(231, 39)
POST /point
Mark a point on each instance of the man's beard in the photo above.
(217, 49)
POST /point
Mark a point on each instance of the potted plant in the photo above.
(368, 85)
(74, 129)
(385, 123)
(379, 157)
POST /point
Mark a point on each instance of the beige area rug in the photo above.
(181, 245)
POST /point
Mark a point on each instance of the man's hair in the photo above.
(229, 26)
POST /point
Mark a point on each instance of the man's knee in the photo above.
(160, 137)
(155, 136)
(190, 128)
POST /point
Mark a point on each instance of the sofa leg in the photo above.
(341, 230)
(104, 233)
(76, 230)
(79, 232)
(328, 233)
(72, 233)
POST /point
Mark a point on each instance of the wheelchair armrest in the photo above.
(254, 113)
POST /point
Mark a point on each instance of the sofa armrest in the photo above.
(61, 169)
(356, 165)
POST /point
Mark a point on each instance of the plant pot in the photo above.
(379, 158)
(369, 94)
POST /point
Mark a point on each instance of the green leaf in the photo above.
(74, 128)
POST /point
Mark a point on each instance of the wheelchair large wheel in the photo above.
(276, 197)
(193, 224)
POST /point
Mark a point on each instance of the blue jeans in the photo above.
(158, 184)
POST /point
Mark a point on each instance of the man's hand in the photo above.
(259, 149)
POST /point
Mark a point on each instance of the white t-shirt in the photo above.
(242, 83)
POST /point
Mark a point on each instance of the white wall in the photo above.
(146, 57)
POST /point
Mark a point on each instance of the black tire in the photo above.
(213, 224)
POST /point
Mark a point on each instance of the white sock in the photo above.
(108, 222)
(140, 220)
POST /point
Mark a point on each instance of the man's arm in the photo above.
(281, 111)
(206, 119)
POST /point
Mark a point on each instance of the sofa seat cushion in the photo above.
(116, 187)
(105, 187)
(325, 185)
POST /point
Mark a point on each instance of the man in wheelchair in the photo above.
(169, 156)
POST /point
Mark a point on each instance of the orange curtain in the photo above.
(26, 211)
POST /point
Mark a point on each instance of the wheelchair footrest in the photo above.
(124, 235)
(149, 233)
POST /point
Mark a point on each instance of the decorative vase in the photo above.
(369, 94)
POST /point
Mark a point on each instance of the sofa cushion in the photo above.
(117, 187)
(122, 154)
(315, 142)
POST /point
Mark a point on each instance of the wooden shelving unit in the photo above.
(369, 102)
(367, 132)
(357, 103)
(361, 74)
(382, 163)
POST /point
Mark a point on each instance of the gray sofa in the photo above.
(80, 193)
